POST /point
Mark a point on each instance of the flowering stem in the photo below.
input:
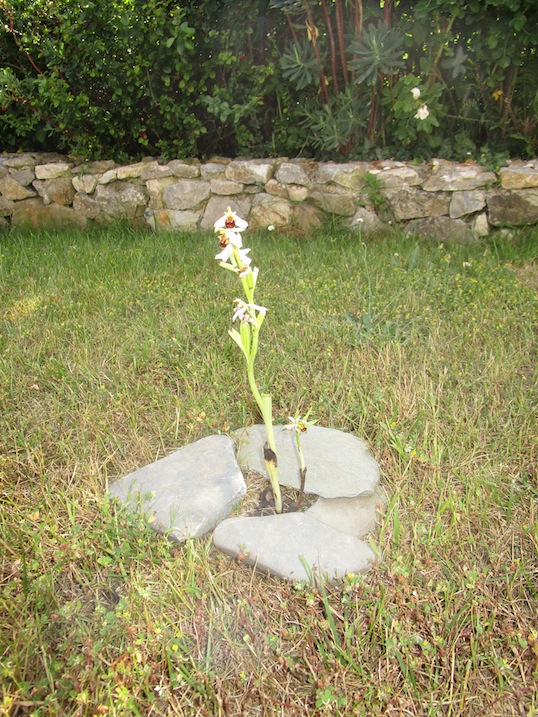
(235, 258)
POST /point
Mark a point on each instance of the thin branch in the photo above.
(292, 29)
(386, 9)
(358, 16)
(18, 43)
(341, 40)
(312, 29)
(331, 41)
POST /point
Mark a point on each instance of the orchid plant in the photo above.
(250, 317)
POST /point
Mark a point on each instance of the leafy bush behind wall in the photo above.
(322, 78)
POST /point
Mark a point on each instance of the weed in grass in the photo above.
(111, 356)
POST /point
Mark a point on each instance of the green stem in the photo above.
(265, 405)
(302, 471)
(263, 400)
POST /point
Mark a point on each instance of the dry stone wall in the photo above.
(439, 198)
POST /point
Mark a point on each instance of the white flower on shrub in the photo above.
(422, 112)
(416, 93)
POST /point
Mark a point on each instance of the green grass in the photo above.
(114, 352)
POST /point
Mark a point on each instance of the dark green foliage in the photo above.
(326, 78)
(375, 54)
(132, 77)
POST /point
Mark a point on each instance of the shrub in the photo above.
(131, 78)
(322, 78)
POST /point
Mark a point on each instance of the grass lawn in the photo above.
(114, 352)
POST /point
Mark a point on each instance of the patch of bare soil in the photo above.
(259, 498)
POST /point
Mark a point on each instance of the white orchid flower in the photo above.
(227, 241)
(243, 311)
(415, 92)
(298, 424)
(422, 112)
(227, 237)
(231, 221)
(244, 261)
(244, 268)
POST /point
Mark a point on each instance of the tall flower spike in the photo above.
(251, 317)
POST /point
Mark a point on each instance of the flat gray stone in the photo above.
(398, 176)
(467, 202)
(449, 177)
(481, 225)
(519, 175)
(354, 516)
(267, 210)
(52, 171)
(250, 171)
(348, 174)
(440, 228)
(339, 465)
(186, 194)
(335, 200)
(187, 493)
(513, 208)
(411, 203)
(14, 191)
(295, 172)
(366, 221)
(275, 544)
(121, 200)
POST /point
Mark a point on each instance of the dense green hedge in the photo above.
(322, 78)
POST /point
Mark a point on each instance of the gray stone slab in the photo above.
(275, 544)
(354, 516)
(187, 493)
(339, 465)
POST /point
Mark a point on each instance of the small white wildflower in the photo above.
(416, 93)
(271, 228)
(422, 112)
